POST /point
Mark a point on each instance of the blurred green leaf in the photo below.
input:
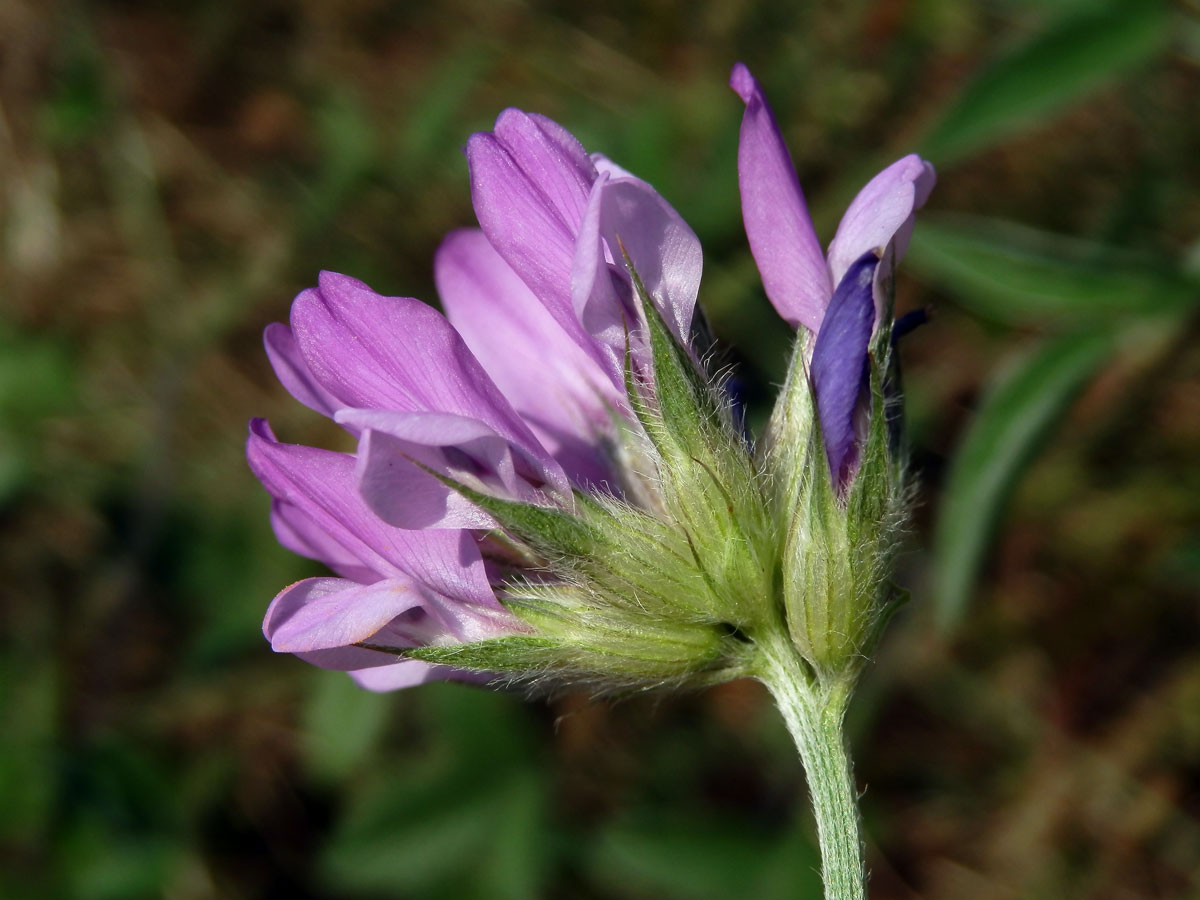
(1014, 419)
(28, 724)
(342, 724)
(691, 859)
(37, 380)
(1014, 274)
(431, 122)
(465, 822)
(1062, 64)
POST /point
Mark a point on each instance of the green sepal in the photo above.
(550, 531)
(517, 655)
(688, 407)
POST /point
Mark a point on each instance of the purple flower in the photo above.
(840, 296)
(517, 393)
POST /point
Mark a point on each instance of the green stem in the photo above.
(814, 714)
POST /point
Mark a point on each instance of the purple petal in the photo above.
(839, 365)
(406, 673)
(319, 507)
(663, 249)
(464, 449)
(559, 388)
(292, 371)
(374, 352)
(325, 613)
(299, 533)
(882, 213)
(332, 614)
(529, 183)
(778, 226)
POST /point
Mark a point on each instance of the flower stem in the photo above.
(814, 714)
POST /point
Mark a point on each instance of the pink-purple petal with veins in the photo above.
(325, 613)
(292, 371)
(466, 450)
(323, 486)
(664, 251)
(778, 225)
(557, 387)
(525, 227)
(395, 353)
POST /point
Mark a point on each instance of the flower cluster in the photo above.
(547, 485)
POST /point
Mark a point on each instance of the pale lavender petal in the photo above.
(322, 619)
(559, 388)
(882, 213)
(394, 353)
(406, 673)
(602, 300)
(663, 249)
(292, 371)
(464, 449)
(324, 613)
(778, 225)
(839, 365)
(331, 517)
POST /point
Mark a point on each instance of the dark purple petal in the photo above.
(318, 505)
(560, 389)
(839, 365)
(778, 225)
(464, 449)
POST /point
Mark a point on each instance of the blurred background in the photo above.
(174, 172)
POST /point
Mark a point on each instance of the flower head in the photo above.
(547, 484)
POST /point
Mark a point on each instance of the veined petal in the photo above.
(318, 502)
(839, 365)
(597, 293)
(374, 352)
(292, 371)
(778, 226)
(559, 388)
(663, 249)
(464, 449)
(298, 532)
(882, 213)
(324, 613)
(529, 184)
(333, 614)
(552, 158)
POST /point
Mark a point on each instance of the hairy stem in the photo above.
(814, 714)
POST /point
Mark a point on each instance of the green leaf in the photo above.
(342, 726)
(1062, 64)
(692, 858)
(1014, 419)
(1018, 275)
(463, 817)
